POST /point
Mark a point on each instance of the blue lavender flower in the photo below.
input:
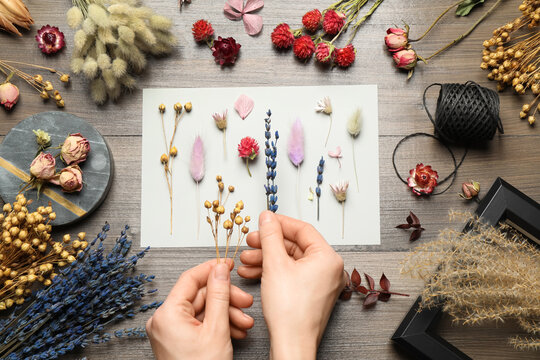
(320, 170)
(271, 163)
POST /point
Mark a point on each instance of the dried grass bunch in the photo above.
(485, 274)
(14, 13)
(112, 43)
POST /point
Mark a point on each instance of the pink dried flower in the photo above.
(423, 179)
(9, 95)
(43, 166)
(75, 149)
(70, 179)
(50, 39)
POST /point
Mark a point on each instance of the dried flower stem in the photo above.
(329, 130)
(343, 220)
(354, 165)
(437, 20)
(225, 143)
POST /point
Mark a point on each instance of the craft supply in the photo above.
(270, 152)
(465, 114)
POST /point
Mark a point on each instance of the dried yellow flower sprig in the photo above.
(216, 209)
(112, 43)
(45, 88)
(28, 253)
(515, 63)
(486, 274)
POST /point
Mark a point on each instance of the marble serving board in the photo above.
(19, 149)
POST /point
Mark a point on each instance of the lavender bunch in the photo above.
(271, 164)
(320, 170)
(94, 291)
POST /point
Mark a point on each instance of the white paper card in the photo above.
(287, 104)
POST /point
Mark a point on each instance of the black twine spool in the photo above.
(466, 114)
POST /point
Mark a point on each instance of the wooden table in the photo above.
(353, 332)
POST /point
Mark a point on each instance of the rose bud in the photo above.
(43, 166)
(405, 59)
(75, 149)
(9, 95)
(396, 39)
(70, 179)
(396, 31)
(470, 189)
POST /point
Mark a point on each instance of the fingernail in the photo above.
(265, 217)
(221, 272)
(247, 316)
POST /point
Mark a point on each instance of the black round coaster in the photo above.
(19, 148)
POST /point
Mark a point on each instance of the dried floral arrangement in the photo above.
(171, 151)
(513, 59)
(270, 152)
(334, 21)
(9, 93)
(481, 274)
(113, 41)
(354, 284)
(95, 291)
(216, 209)
(224, 50)
(14, 13)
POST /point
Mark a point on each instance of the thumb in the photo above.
(217, 299)
(271, 235)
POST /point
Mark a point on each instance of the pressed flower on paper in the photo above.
(324, 106)
(340, 193)
(248, 149)
(354, 126)
(197, 170)
(221, 122)
(295, 150)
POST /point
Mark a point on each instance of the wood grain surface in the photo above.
(353, 333)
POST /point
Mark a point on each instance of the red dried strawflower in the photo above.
(323, 53)
(50, 39)
(202, 30)
(303, 47)
(225, 50)
(333, 22)
(423, 179)
(312, 20)
(282, 36)
(344, 57)
(248, 149)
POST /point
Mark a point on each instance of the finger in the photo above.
(238, 334)
(253, 240)
(239, 298)
(239, 319)
(250, 272)
(302, 233)
(271, 237)
(217, 299)
(255, 257)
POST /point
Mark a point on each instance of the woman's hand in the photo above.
(301, 279)
(200, 315)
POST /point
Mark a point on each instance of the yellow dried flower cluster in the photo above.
(217, 207)
(112, 42)
(486, 274)
(28, 253)
(516, 63)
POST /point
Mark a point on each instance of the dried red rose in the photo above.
(344, 57)
(9, 95)
(226, 50)
(312, 20)
(282, 36)
(333, 22)
(423, 179)
(323, 53)
(303, 47)
(50, 39)
(248, 149)
(202, 30)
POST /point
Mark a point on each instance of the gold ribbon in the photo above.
(47, 192)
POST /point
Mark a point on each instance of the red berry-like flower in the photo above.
(225, 50)
(282, 36)
(202, 30)
(303, 47)
(324, 52)
(333, 22)
(50, 39)
(423, 179)
(248, 149)
(344, 57)
(312, 20)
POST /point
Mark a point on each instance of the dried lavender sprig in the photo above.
(271, 164)
(91, 293)
(320, 170)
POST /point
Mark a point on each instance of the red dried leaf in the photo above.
(362, 289)
(345, 295)
(384, 297)
(416, 226)
(370, 281)
(371, 299)
(414, 219)
(403, 226)
(415, 235)
(356, 279)
(348, 281)
(385, 283)
(409, 220)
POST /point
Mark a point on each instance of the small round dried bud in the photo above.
(526, 108)
(66, 238)
(207, 204)
(219, 178)
(178, 108)
(64, 78)
(518, 54)
(84, 244)
(161, 108)
(188, 107)
(227, 224)
(245, 229)
(215, 203)
(52, 216)
(48, 86)
(240, 205)
(36, 242)
(531, 120)
(486, 43)
(164, 159)
(7, 208)
(44, 95)
(60, 103)
(25, 247)
(41, 228)
(71, 258)
(247, 218)
(174, 151)
(47, 282)
(518, 88)
(522, 114)
(42, 247)
(238, 220)
(23, 234)
(237, 210)
(38, 78)
(220, 210)
(231, 188)
(58, 97)
(535, 89)
(221, 186)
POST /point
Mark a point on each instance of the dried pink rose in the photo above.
(75, 149)
(9, 95)
(70, 179)
(43, 166)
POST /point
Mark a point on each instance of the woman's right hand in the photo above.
(301, 279)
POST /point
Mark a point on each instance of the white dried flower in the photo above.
(119, 67)
(74, 17)
(126, 34)
(354, 125)
(79, 39)
(99, 15)
(90, 68)
(98, 90)
(104, 61)
(340, 190)
(324, 106)
(89, 26)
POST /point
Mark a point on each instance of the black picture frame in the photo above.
(503, 203)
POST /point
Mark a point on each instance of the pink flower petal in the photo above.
(253, 24)
(243, 106)
(336, 153)
(252, 5)
(231, 13)
(235, 5)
